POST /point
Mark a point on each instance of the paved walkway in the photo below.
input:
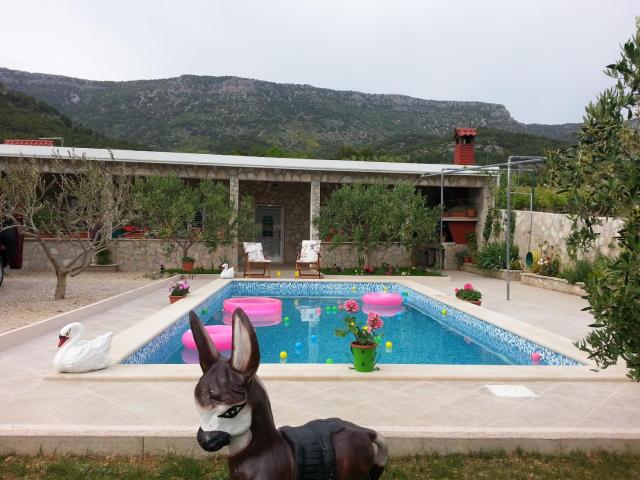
(27, 402)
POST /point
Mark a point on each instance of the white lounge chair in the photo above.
(308, 261)
(254, 258)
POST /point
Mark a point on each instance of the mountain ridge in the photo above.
(228, 114)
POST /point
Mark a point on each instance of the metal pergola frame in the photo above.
(494, 170)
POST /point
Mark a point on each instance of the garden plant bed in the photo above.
(496, 466)
(379, 271)
(195, 271)
(553, 283)
(95, 268)
(501, 274)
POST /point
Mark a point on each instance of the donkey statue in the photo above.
(235, 411)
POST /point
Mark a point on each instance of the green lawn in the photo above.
(494, 467)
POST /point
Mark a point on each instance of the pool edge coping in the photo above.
(138, 335)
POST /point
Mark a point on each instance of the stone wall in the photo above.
(132, 255)
(345, 255)
(552, 283)
(555, 229)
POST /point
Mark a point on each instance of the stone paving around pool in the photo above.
(36, 413)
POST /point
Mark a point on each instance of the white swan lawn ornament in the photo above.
(77, 356)
(227, 272)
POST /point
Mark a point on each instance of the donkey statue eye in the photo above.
(233, 411)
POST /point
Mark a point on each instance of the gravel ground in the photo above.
(27, 297)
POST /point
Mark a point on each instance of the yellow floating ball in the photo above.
(283, 355)
(444, 311)
(389, 345)
(278, 274)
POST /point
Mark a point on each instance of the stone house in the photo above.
(288, 193)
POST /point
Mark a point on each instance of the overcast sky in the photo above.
(543, 59)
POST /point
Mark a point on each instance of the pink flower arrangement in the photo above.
(374, 321)
(179, 288)
(350, 306)
(366, 334)
(468, 293)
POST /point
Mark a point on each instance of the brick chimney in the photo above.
(463, 153)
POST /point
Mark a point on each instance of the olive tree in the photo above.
(168, 206)
(602, 175)
(78, 200)
(375, 216)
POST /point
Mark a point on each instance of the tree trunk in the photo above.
(61, 285)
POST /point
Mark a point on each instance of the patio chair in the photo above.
(254, 258)
(308, 262)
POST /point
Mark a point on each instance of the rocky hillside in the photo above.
(239, 115)
(22, 116)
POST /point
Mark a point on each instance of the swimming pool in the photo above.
(426, 331)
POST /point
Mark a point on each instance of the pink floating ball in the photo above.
(535, 358)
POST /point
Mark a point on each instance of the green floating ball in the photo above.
(204, 311)
(377, 339)
(405, 294)
(286, 321)
(329, 360)
(444, 311)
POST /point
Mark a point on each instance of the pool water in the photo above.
(306, 334)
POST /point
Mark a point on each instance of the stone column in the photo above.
(314, 208)
(234, 192)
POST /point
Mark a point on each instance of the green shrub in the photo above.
(492, 256)
(578, 272)
(103, 257)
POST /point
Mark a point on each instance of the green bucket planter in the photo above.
(364, 357)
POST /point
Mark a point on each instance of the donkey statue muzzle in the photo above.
(213, 441)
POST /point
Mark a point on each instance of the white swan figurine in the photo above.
(78, 356)
(227, 272)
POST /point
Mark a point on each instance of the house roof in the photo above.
(203, 159)
(40, 142)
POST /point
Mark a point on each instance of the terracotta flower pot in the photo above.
(472, 213)
(175, 298)
(187, 266)
(476, 302)
(458, 213)
(468, 259)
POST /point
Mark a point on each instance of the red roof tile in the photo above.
(40, 143)
(465, 132)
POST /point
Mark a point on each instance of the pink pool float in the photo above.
(220, 335)
(257, 320)
(253, 305)
(383, 310)
(383, 299)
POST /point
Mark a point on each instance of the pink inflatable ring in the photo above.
(253, 305)
(220, 335)
(382, 299)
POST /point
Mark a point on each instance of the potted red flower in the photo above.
(367, 336)
(178, 290)
(469, 294)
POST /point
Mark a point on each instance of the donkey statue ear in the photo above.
(245, 356)
(207, 352)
